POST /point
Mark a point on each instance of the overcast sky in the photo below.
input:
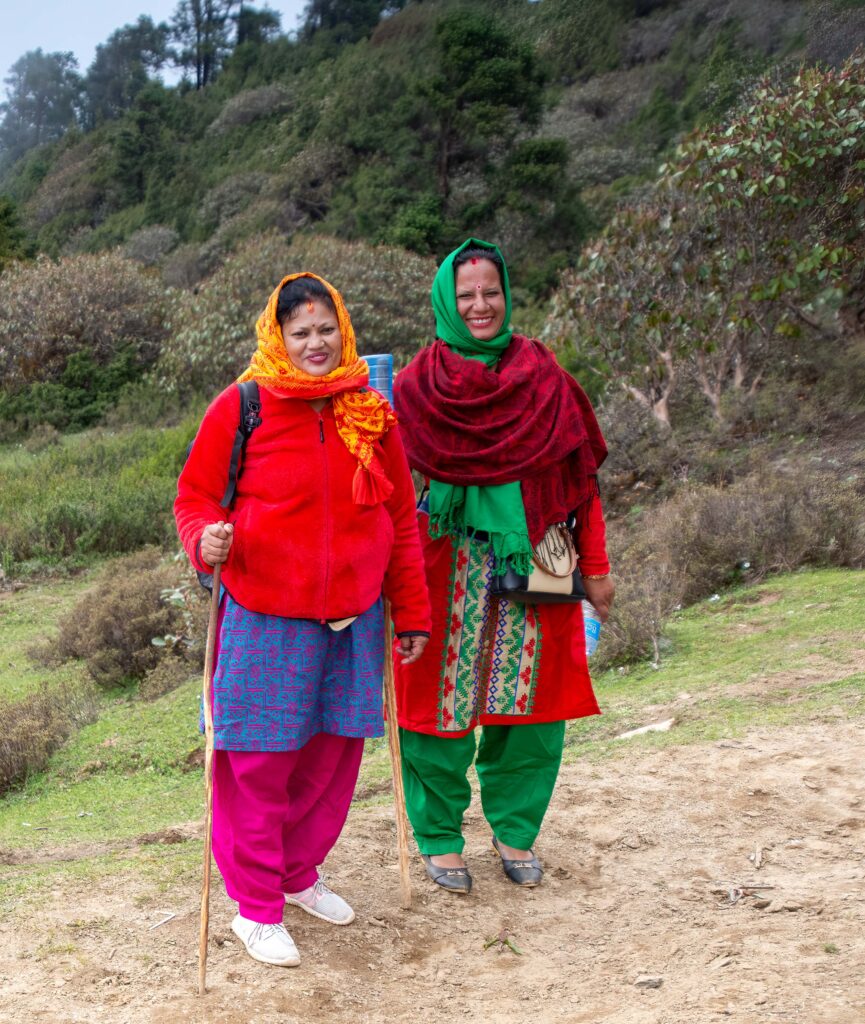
(80, 25)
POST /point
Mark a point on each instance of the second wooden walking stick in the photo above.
(207, 699)
(381, 378)
(396, 763)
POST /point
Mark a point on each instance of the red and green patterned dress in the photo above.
(492, 661)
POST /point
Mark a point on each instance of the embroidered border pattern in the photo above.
(451, 647)
(467, 619)
(515, 660)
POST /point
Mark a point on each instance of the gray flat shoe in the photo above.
(527, 873)
(456, 880)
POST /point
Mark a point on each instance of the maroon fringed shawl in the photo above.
(528, 420)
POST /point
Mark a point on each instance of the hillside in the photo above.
(524, 122)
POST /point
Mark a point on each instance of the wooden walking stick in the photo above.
(381, 378)
(396, 763)
(207, 698)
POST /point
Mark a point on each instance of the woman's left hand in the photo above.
(600, 594)
(411, 648)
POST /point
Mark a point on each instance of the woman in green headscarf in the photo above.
(510, 446)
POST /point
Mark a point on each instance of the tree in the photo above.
(618, 303)
(122, 68)
(488, 88)
(13, 239)
(142, 144)
(753, 235)
(345, 21)
(43, 92)
(201, 28)
(255, 27)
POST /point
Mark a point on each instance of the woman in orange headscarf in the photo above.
(322, 525)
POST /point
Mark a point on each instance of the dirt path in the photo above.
(634, 852)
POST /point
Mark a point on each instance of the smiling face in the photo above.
(480, 298)
(312, 338)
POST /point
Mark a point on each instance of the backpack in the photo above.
(250, 409)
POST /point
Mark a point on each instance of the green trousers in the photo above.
(517, 766)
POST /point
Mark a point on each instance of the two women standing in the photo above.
(324, 524)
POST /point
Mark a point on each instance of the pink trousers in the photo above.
(276, 816)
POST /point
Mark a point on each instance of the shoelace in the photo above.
(265, 931)
(319, 891)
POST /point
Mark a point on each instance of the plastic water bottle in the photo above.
(592, 623)
(381, 373)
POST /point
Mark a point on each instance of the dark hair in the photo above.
(477, 253)
(301, 289)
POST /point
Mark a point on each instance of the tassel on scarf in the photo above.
(370, 486)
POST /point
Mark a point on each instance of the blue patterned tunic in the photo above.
(280, 681)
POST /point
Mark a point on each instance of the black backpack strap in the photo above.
(250, 418)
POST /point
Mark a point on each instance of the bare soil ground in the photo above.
(648, 860)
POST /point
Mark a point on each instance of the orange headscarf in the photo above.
(362, 417)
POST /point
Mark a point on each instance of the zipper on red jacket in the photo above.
(326, 514)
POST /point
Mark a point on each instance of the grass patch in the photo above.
(25, 618)
(165, 868)
(767, 655)
(96, 493)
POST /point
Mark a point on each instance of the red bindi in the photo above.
(475, 261)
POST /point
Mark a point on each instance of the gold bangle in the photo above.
(595, 576)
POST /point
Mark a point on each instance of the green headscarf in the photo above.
(497, 510)
(451, 327)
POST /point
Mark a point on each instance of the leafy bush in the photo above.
(706, 538)
(34, 727)
(250, 105)
(84, 391)
(212, 332)
(168, 673)
(149, 245)
(13, 238)
(749, 241)
(140, 599)
(765, 523)
(582, 38)
(230, 197)
(83, 325)
(68, 192)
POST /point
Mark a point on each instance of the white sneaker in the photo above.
(269, 943)
(320, 901)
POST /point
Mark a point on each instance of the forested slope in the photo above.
(413, 127)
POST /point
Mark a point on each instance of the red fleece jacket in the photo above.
(302, 548)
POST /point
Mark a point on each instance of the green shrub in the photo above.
(212, 332)
(138, 614)
(706, 538)
(72, 333)
(581, 38)
(79, 398)
(34, 727)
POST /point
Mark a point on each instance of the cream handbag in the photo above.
(554, 579)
